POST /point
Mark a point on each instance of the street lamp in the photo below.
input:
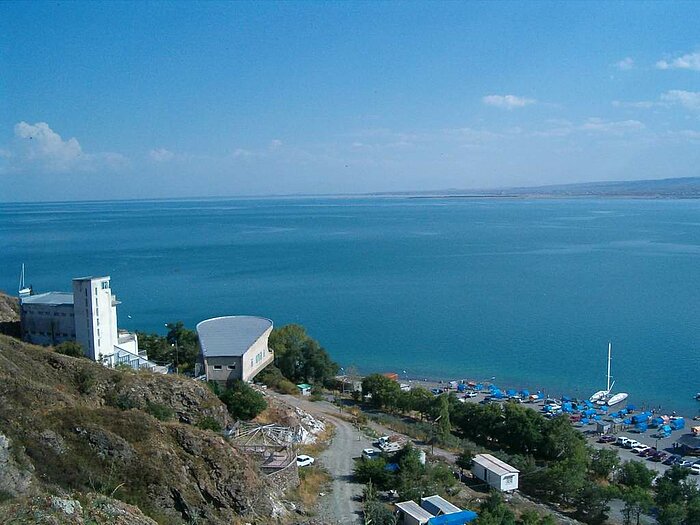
(177, 352)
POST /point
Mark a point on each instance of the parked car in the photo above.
(632, 443)
(622, 440)
(672, 459)
(685, 463)
(607, 438)
(370, 453)
(659, 456)
(304, 461)
(640, 449)
(648, 452)
(695, 468)
(470, 394)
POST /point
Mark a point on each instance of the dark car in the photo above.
(659, 456)
(649, 452)
(606, 438)
(672, 459)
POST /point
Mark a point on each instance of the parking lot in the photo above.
(665, 444)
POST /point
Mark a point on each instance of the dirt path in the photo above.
(342, 505)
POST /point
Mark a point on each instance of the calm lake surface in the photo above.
(526, 291)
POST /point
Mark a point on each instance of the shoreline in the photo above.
(429, 383)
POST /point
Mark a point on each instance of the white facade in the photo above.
(494, 472)
(95, 316)
(87, 316)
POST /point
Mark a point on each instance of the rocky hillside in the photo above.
(9, 315)
(74, 431)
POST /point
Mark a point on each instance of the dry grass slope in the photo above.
(75, 427)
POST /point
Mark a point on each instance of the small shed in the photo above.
(603, 427)
(304, 389)
(410, 513)
(437, 505)
(494, 472)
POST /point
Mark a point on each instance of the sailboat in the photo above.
(603, 397)
(23, 288)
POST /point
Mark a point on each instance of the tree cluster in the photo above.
(241, 400)
(179, 347)
(300, 358)
(412, 479)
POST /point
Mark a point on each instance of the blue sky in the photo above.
(140, 100)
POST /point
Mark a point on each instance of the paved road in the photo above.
(342, 505)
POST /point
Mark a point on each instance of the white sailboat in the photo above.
(23, 288)
(603, 397)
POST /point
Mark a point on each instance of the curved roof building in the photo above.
(234, 347)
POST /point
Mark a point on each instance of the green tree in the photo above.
(384, 392)
(636, 474)
(444, 429)
(374, 472)
(70, 348)
(464, 460)
(493, 511)
(604, 461)
(637, 502)
(301, 358)
(242, 401)
(672, 514)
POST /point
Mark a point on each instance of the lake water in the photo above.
(526, 291)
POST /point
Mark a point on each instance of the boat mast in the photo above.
(21, 279)
(609, 355)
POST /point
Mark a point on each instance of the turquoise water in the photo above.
(527, 291)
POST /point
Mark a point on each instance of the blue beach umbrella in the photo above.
(631, 408)
(510, 392)
(525, 393)
(627, 421)
(597, 417)
(603, 408)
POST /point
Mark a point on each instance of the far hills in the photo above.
(674, 188)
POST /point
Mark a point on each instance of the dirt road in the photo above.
(342, 505)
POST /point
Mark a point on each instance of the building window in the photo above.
(231, 367)
(105, 285)
(217, 367)
(95, 289)
(98, 332)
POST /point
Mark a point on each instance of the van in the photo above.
(622, 441)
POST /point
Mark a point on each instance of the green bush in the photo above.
(209, 423)
(70, 348)
(85, 381)
(160, 412)
(272, 377)
(242, 401)
(120, 401)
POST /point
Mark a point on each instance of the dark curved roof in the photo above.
(231, 335)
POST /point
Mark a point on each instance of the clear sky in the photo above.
(139, 100)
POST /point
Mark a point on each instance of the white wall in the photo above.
(95, 316)
(257, 357)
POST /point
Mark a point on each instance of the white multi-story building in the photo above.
(87, 316)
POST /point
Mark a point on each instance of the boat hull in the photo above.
(617, 398)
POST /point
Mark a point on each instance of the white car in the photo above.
(622, 441)
(304, 460)
(370, 453)
(640, 449)
(632, 443)
(470, 394)
(695, 469)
